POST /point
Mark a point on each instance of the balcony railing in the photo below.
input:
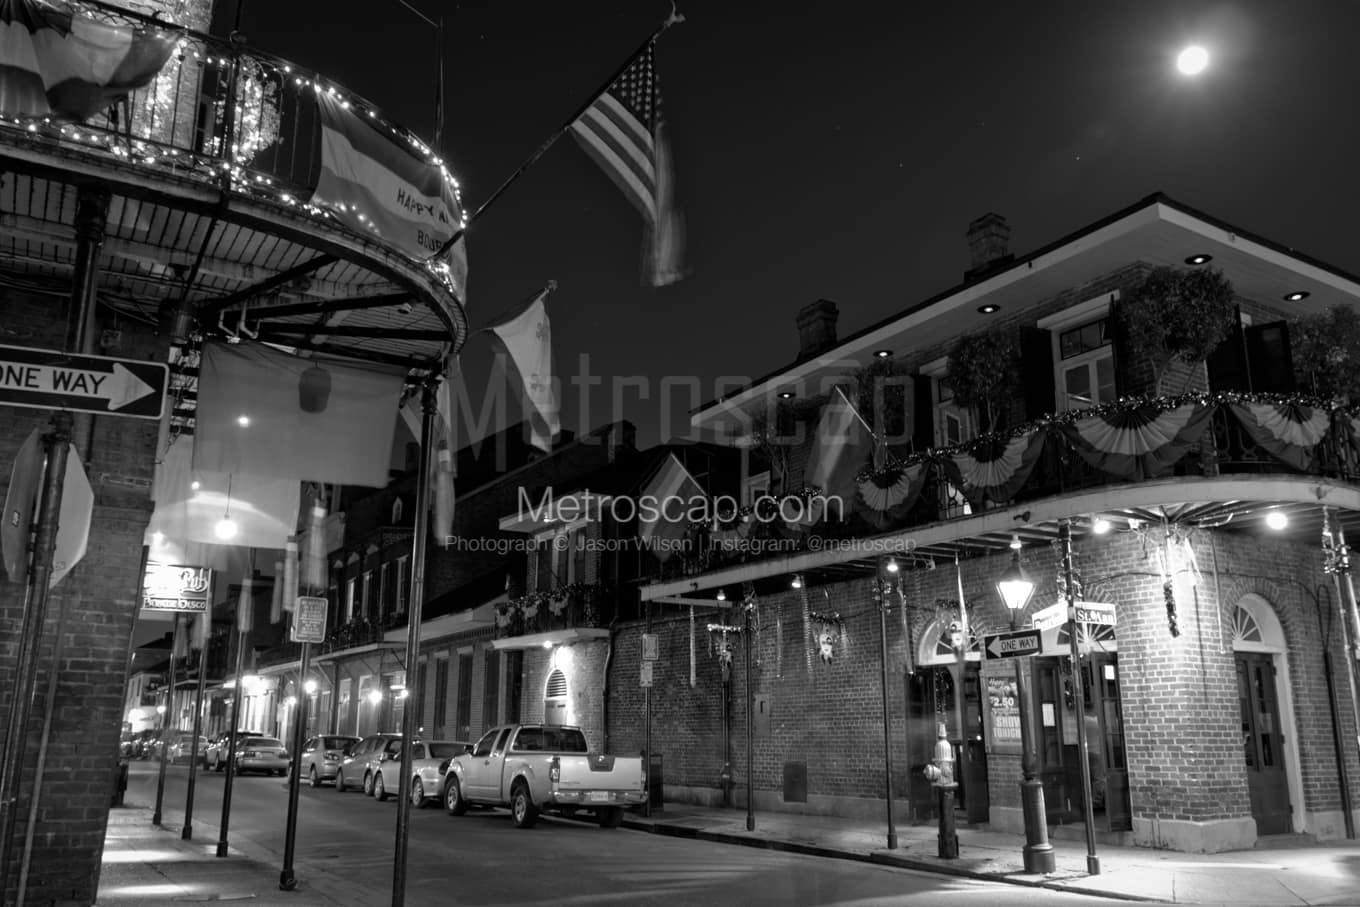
(353, 635)
(216, 113)
(1136, 440)
(563, 608)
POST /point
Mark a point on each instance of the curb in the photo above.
(877, 858)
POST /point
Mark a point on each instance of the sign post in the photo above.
(52, 379)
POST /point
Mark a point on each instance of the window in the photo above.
(349, 599)
(401, 583)
(396, 511)
(483, 746)
(344, 704)
(514, 674)
(441, 692)
(953, 422)
(491, 688)
(418, 698)
(368, 594)
(463, 719)
(1085, 365)
(382, 588)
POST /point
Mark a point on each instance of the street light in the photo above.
(1015, 588)
(1193, 60)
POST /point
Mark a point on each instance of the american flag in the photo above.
(622, 131)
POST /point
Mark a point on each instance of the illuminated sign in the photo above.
(172, 587)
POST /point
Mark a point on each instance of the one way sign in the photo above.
(51, 379)
(1013, 644)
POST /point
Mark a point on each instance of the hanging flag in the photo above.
(57, 61)
(444, 464)
(371, 180)
(527, 339)
(623, 131)
(288, 601)
(313, 566)
(663, 513)
(840, 449)
(245, 608)
(265, 413)
(189, 504)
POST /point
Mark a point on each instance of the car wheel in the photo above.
(418, 798)
(339, 780)
(454, 804)
(313, 778)
(379, 788)
(610, 817)
(522, 806)
(368, 783)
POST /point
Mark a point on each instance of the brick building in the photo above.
(1204, 496)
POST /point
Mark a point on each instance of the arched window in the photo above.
(555, 698)
(396, 511)
(937, 648)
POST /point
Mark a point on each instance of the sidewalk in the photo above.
(144, 864)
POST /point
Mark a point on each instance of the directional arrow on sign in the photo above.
(1013, 644)
(51, 379)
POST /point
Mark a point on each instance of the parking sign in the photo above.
(309, 619)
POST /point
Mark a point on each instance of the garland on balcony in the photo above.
(766, 509)
(555, 600)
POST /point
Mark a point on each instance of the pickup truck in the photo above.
(535, 768)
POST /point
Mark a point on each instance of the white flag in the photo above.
(527, 338)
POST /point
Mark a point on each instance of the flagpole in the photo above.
(673, 19)
(438, 27)
(507, 314)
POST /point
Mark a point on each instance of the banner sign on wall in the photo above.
(174, 587)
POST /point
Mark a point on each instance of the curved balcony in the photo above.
(210, 170)
(1191, 452)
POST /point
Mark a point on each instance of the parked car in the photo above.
(182, 747)
(533, 768)
(321, 756)
(215, 757)
(144, 744)
(355, 769)
(261, 754)
(427, 756)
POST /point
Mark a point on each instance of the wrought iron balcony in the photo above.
(578, 605)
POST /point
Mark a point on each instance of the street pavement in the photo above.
(144, 864)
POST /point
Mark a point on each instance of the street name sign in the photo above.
(51, 379)
(309, 619)
(1087, 613)
(1013, 644)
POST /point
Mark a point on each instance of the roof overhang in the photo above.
(549, 640)
(1156, 231)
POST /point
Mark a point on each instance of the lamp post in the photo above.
(1015, 588)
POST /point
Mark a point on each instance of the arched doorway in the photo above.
(555, 698)
(1266, 706)
(945, 690)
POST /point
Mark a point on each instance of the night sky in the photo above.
(825, 152)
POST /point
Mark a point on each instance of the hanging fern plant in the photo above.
(1178, 314)
(984, 371)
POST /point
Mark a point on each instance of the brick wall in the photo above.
(94, 607)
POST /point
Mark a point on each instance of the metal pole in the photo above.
(165, 720)
(1038, 852)
(748, 604)
(188, 831)
(1336, 564)
(647, 734)
(882, 591)
(419, 540)
(241, 640)
(1338, 747)
(1065, 537)
(287, 880)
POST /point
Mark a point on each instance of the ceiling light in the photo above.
(225, 529)
(797, 582)
(243, 421)
(892, 565)
(786, 395)
(1296, 295)
(1015, 542)
(882, 354)
(547, 644)
(989, 308)
(1100, 526)
(1199, 259)
(722, 596)
(1277, 520)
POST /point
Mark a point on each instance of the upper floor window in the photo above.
(401, 584)
(382, 587)
(1085, 365)
(349, 599)
(953, 422)
(368, 593)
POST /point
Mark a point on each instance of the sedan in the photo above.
(321, 756)
(215, 757)
(427, 757)
(261, 754)
(182, 748)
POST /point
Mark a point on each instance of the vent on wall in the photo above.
(557, 686)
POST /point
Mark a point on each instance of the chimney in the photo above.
(988, 245)
(816, 328)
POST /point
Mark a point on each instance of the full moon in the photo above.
(1193, 60)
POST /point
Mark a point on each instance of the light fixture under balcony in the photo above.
(1296, 296)
(989, 308)
(1199, 259)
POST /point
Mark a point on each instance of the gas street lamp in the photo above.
(1015, 588)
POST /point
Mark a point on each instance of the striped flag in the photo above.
(56, 61)
(623, 131)
(372, 181)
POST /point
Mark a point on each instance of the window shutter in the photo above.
(1270, 359)
(1036, 371)
(923, 413)
(1227, 364)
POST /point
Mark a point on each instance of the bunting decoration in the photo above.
(57, 61)
(994, 468)
(1288, 431)
(890, 489)
(1138, 442)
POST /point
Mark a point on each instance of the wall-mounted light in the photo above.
(375, 696)
(547, 644)
(310, 687)
(722, 596)
(796, 582)
(1100, 526)
(1277, 520)
(892, 565)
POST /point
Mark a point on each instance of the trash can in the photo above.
(120, 782)
(654, 793)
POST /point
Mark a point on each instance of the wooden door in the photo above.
(1263, 744)
(1105, 742)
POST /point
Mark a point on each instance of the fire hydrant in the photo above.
(940, 773)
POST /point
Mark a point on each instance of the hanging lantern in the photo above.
(314, 390)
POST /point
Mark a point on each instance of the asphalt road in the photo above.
(346, 841)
